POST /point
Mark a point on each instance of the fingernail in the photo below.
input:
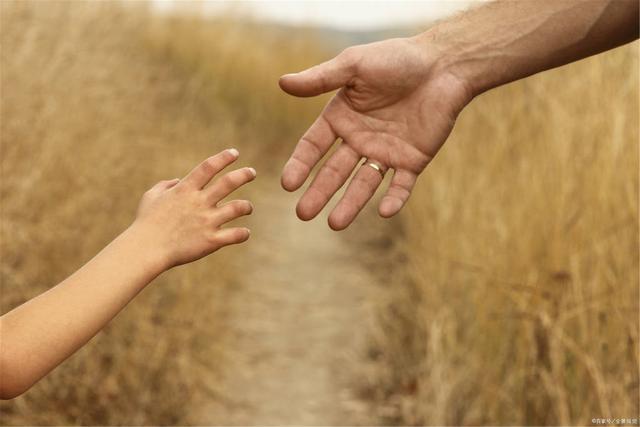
(253, 171)
(234, 152)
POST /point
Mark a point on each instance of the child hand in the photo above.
(181, 221)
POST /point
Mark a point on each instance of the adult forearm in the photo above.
(507, 40)
(40, 334)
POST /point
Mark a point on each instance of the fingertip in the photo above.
(245, 207)
(240, 235)
(337, 226)
(286, 185)
(300, 84)
(389, 207)
(235, 235)
(338, 221)
(289, 185)
(289, 181)
(285, 81)
(223, 159)
(304, 212)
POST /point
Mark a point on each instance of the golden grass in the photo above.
(517, 302)
(98, 103)
(521, 305)
(237, 64)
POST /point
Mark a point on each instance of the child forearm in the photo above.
(40, 334)
(178, 221)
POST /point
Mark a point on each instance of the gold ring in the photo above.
(375, 166)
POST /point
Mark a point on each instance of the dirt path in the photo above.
(297, 324)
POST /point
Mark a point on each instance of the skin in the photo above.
(398, 100)
(396, 104)
(178, 221)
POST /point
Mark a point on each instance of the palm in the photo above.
(387, 111)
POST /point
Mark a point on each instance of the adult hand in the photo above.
(395, 107)
(399, 98)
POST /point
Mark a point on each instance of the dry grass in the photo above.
(515, 295)
(98, 103)
(521, 305)
(237, 63)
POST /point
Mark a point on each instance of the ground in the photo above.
(297, 324)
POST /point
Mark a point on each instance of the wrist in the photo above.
(448, 62)
(148, 250)
(443, 70)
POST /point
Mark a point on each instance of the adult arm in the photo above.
(398, 99)
(508, 40)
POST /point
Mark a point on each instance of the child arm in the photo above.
(178, 221)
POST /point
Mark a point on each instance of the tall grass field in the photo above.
(511, 295)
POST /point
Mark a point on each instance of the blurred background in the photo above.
(505, 293)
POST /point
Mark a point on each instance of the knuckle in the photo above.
(241, 207)
(151, 191)
(349, 56)
(202, 199)
(332, 170)
(208, 166)
(347, 53)
(228, 180)
(205, 218)
(312, 144)
(213, 238)
(400, 191)
(361, 180)
(323, 78)
(301, 161)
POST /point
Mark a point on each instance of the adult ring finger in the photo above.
(375, 165)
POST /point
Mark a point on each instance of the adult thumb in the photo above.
(325, 77)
